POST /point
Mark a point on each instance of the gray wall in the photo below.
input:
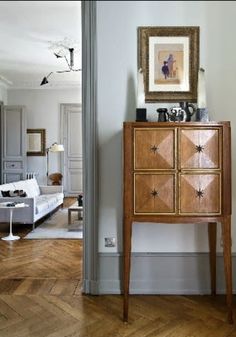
(117, 23)
(43, 111)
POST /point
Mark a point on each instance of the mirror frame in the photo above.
(36, 148)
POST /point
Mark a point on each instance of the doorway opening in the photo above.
(40, 247)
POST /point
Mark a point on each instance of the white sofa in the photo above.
(41, 200)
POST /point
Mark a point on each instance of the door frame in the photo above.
(89, 136)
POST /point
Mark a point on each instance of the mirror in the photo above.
(36, 140)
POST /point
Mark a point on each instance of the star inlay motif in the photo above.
(154, 193)
(200, 193)
(154, 148)
(199, 148)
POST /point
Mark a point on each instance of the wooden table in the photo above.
(75, 208)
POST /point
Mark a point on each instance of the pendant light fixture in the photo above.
(70, 64)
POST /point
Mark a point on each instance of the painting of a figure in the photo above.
(169, 59)
(168, 66)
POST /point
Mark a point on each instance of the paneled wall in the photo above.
(43, 111)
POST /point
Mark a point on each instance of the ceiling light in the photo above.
(57, 55)
(45, 79)
(70, 65)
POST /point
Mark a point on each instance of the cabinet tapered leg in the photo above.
(126, 267)
(226, 233)
(212, 247)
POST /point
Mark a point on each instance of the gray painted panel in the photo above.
(13, 133)
(13, 165)
(13, 143)
(75, 132)
(11, 177)
(71, 137)
(157, 273)
(75, 164)
(75, 181)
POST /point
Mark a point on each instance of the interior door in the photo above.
(71, 137)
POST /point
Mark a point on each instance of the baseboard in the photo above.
(162, 273)
(90, 287)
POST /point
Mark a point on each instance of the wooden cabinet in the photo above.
(178, 173)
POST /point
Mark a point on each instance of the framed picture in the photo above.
(36, 140)
(169, 58)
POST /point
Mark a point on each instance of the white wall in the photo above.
(43, 112)
(117, 23)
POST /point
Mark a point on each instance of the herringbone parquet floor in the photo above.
(40, 296)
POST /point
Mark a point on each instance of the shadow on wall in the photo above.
(131, 100)
(111, 188)
(130, 115)
(111, 171)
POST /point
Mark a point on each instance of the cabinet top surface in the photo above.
(176, 124)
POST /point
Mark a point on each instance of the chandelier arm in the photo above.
(68, 63)
(71, 50)
(64, 71)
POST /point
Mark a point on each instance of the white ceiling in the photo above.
(26, 30)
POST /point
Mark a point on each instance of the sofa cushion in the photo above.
(35, 185)
(30, 186)
(41, 205)
(51, 199)
(45, 201)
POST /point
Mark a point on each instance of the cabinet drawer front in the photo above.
(200, 148)
(200, 193)
(13, 165)
(11, 177)
(154, 193)
(154, 149)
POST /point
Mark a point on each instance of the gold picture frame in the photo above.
(169, 59)
(36, 142)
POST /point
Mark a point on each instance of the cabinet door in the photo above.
(154, 193)
(200, 148)
(200, 193)
(154, 149)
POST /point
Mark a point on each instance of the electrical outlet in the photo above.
(110, 242)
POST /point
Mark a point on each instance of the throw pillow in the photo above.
(5, 194)
(12, 194)
(20, 193)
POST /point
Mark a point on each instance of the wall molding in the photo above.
(162, 273)
(89, 125)
(35, 85)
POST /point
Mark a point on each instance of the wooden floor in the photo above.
(40, 296)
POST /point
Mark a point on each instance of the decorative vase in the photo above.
(163, 115)
(189, 109)
(202, 115)
(80, 200)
